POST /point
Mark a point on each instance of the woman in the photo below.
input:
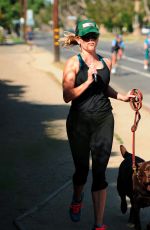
(90, 123)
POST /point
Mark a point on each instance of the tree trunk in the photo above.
(147, 9)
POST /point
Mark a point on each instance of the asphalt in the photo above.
(51, 212)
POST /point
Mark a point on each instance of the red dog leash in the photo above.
(136, 104)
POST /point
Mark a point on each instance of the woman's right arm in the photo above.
(70, 92)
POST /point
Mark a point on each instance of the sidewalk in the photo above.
(50, 213)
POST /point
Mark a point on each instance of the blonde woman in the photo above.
(90, 122)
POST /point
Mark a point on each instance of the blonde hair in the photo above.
(69, 39)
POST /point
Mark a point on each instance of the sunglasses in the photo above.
(90, 36)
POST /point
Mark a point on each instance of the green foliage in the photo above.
(111, 13)
(2, 35)
(42, 11)
(8, 12)
(36, 5)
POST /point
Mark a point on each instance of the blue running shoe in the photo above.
(75, 210)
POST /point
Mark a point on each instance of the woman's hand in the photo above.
(91, 70)
(125, 98)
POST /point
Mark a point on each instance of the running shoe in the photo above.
(146, 67)
(75, 210)
(113, 71)
(103, 227)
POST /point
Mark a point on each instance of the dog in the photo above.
(135, 186)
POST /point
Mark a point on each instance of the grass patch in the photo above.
(118, 138)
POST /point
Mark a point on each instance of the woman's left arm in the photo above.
(113, 93)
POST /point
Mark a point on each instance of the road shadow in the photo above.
(34, 150)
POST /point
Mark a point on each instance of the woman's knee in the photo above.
(80, 175)
(99, 179)
(99, 185)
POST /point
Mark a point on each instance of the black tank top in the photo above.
(94, 98)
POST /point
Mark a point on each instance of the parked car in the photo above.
(145, 30)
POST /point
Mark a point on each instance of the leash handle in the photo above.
(136, 104)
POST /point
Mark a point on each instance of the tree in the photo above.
(42, 11)
(111, 13)
(8, 11)
(147, 9)
(71, 8)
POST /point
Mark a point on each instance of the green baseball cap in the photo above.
(86, 26)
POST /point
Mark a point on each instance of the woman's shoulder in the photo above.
(107, 61)
(72, 62)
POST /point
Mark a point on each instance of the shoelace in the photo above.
(76, 208)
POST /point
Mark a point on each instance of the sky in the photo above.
(51, 1)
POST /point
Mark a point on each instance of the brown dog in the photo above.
(136, 186)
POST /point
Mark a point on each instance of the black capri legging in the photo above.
(90, 133)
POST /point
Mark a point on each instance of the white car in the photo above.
(145, 30)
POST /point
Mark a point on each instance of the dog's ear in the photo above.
(123, 150)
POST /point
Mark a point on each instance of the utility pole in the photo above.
(56, 31)
(136, 24)
(23, 13)
(25, 17)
